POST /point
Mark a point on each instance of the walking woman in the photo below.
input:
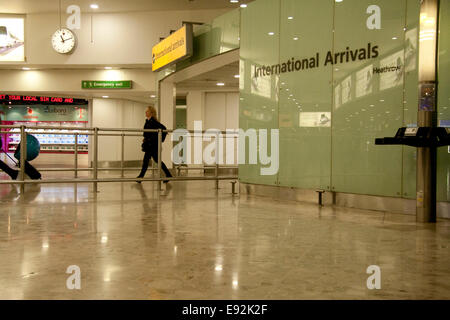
(150, 143)
(3, 166)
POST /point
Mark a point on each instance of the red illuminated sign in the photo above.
(40, 100)
(29, 98)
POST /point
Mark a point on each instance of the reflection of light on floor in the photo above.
(108, 272)
(235, 282)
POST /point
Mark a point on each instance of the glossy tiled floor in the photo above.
(191, 242)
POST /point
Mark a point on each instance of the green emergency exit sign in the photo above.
(100, 84)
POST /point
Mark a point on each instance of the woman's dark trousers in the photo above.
(153, 154)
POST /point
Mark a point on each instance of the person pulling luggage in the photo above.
(3, 166)
(31, 171)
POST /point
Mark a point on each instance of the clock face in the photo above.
(63, 40)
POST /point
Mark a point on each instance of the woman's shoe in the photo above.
(139, 177)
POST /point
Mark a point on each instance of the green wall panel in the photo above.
(305, 141)
(443, 109)
(228, 36)
(411, 100)
(369, 104)
(209, 40)
(259, 96)
(330, 114)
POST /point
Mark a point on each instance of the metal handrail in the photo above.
(96, 132)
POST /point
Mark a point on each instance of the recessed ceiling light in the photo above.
(339, 0)
(105, 96)
(152, 96)
(220, 84)
(94, 6)
(234, 1)
(271, 33)
(236, 76)
(243, 5)
(26, 68)
(394, 38)
(108, 68)
(290, 18)
(295, 38)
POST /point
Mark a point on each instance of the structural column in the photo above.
(166, 114)
(426, 115)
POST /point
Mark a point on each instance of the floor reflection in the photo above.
(190, 241)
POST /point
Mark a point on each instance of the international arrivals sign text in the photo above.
(175, 47)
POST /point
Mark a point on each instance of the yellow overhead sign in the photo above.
(175, 47)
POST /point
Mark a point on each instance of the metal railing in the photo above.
(117, 132)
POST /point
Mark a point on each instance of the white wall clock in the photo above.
(63, 41)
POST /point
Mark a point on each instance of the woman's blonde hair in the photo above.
(153, 111)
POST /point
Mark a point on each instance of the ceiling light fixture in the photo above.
(105, 96)
(237, 76)
(94, 6)
(220, 84)
(234, 1)
(243, 5)
(108, 68)
(271, 33)
(26, 68)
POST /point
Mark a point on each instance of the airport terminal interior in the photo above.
(306, 145)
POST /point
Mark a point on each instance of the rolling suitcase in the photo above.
(29, 169)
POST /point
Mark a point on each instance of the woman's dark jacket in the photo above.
(151, 138)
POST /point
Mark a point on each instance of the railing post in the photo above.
(233, 187)
(23, 157)
(95, 162)
(216, 169)
(123, 155)
(76, 155)
(159, 157)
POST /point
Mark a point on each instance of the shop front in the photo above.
(35, 111)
